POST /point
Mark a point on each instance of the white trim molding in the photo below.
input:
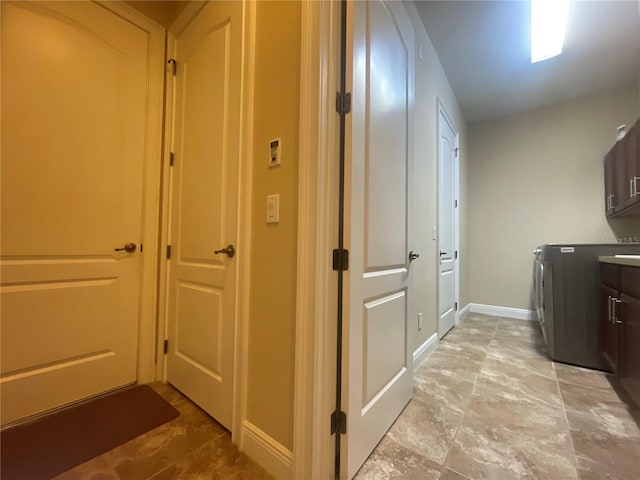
(314, 377)
(243, 281)
(423, 351)
(508, 312)
(267, 452)
(463, 312)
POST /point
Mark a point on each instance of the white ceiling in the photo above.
(484, 48)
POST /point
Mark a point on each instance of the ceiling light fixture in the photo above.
(548, 28)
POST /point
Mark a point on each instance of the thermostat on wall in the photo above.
(275, 147)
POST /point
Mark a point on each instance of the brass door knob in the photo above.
(229, 250)
(129, 248)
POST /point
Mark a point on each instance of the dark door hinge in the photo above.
(455, 254)
(172, 157)
(166, 347)
(343, 103)
(455, 203)
(174, 66)
(341, 259)
(455, 305)
(457, 149)
(168, 251)
(141, 248)
(338, 422)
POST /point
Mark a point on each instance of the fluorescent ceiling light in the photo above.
(548, 27)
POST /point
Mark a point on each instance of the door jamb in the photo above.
(318, 188)
(441, 110)
(148, 302)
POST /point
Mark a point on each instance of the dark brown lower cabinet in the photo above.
(609, 330)
(620, 324)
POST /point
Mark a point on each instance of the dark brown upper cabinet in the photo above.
(622, 175)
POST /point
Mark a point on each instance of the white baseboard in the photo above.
(271, 455)
(424, 350)
(462, 313)
(508, 312)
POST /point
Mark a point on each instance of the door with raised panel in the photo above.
(202, 291)
(609, 183)
(74, 79)
(446, 223)
(380, 358)
(621, 182)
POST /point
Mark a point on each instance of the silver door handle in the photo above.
(413, 256)
(442, 253)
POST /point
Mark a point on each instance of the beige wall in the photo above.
(537, 178)
(431, 83)
(273, 255)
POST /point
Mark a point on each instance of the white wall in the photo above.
(430, 84)
(536, 178)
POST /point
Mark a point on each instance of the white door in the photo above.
(447, 204)
(379, 360)
(204, 208)
(74, 79)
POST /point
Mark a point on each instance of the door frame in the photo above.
(318, 188)
(441, 110)
(316, 291)
(148, 302)
(241, 320)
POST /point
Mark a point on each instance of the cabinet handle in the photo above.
(609, 308)
(633, 186)
(616, 319)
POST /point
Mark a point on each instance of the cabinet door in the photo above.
(633, 165)
(630, 345)
(609, 183)
(621, 187)
(609, 329)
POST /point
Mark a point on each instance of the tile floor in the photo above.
(192, 446)
(488, 404)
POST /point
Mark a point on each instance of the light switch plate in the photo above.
(275, 150)
(273, 208)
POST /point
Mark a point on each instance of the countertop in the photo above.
(630, 260)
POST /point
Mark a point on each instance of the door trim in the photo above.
(441, 110)
(243, 278)
(148, 303)
(314, 380)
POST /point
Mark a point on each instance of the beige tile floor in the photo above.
(192, 446)
(488, 404)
